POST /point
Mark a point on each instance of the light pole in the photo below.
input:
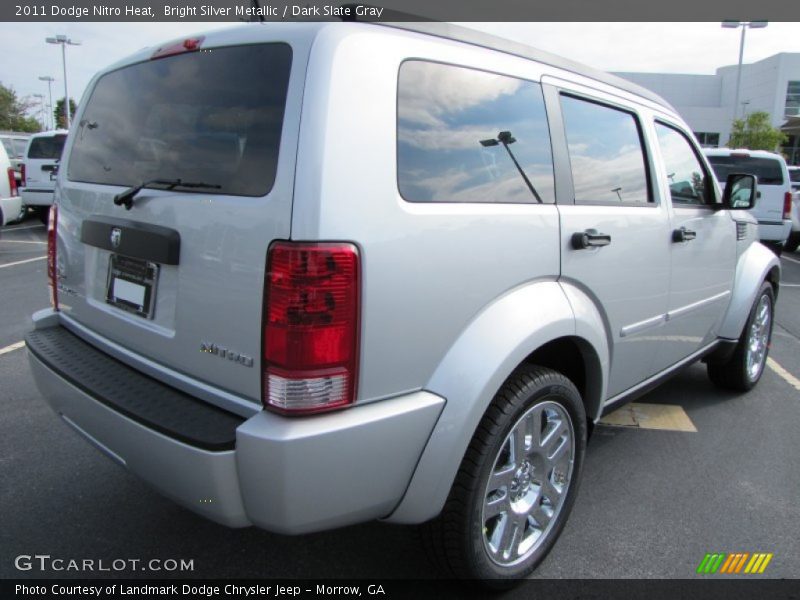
(41, 109)
(64, 41)
(49, 81)
(506, 139)
(744, 25)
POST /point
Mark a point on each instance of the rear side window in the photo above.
(767, 170)
(465, 135)
(47, 147)
(606, 153)
(794, 175)
(212, 117)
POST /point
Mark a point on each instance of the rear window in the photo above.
(211, 117)
(767, 170)
(794, 175)
(47, 147)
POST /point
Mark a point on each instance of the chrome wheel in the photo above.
(528, 483)
(758, 338)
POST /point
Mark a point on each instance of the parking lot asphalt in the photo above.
(651, 503)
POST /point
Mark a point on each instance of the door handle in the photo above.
(683, 235)
(590, 238)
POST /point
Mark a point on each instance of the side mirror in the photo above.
(741, 191)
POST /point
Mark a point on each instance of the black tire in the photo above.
(734, 374)
(458, 538)
(793, 242)
(43, 213)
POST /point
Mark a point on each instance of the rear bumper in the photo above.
(285, 475)
(773, 231)
(9, 209)
(36, 197)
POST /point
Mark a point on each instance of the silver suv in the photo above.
(314, 274)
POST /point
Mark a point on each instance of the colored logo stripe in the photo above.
(733, 563)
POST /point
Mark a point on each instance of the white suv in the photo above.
(794, 238)
(773, 207)
(10, 204)
(40, 168)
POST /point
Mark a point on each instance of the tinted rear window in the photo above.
(47, 147)
(794, 175)
(767, 170)
(212, 117)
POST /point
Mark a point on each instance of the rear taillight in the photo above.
(12, 181)
(22, 174)
(311, 326)
(787, 205)
(52, 274)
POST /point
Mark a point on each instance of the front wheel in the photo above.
(517, 482)
(744, 368)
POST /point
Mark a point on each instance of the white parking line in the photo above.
(26, 227)
(788, 377)
(12, 347)
(20, 242)
(789, 258)
(22, 262)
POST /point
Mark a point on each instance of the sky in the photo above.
(648, 47)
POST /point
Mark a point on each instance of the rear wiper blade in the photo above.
(126, 198)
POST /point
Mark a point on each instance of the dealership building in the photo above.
(706, 102)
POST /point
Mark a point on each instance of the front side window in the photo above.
(685, 172)
(212, 117)
(606, 153)
(469, 136)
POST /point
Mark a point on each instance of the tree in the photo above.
(61, 118)
(13, 111)
(755, 132)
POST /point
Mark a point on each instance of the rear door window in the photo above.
(606, 153)
(47, 147)
(767, 170)
(212, 117)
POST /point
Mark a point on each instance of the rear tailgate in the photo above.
(177, 281)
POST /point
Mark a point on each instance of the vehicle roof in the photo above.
(753, 153)
(493, 42)
(50, 133)
(249, 33)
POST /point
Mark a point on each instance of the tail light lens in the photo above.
(787, 205)
(311, 326)
(52, 227)
(12, 181)
(22, 172)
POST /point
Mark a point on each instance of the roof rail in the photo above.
(419, 24)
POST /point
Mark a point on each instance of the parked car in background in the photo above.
(773, 208)
(794, 238)
(314, 274)
(10, 202)
(39, 170)
(15, 145)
